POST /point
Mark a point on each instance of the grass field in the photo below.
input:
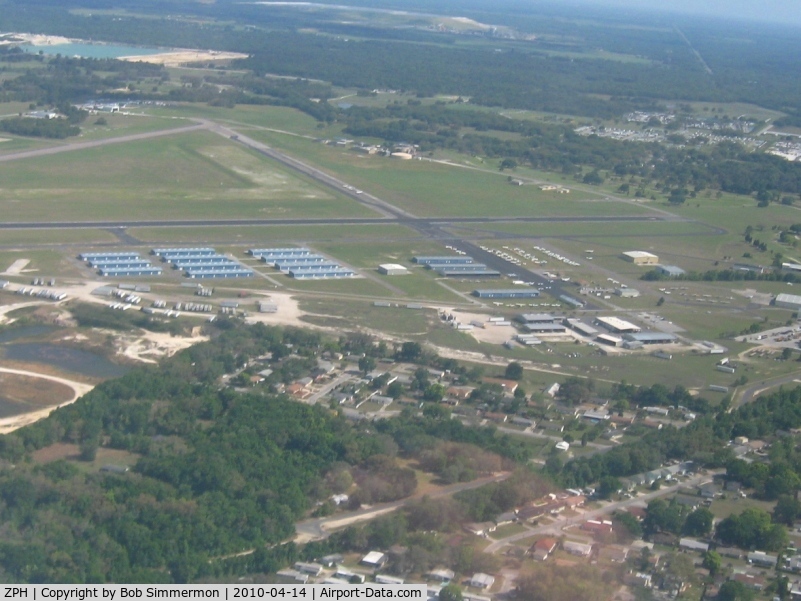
(240, 238)
(46, 263)
(262, 116)
(192, 175)
(22, 238)
(427, 188)
(393, 320)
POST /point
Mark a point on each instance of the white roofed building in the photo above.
(640, 257)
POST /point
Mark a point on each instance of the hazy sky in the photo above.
(781, 11)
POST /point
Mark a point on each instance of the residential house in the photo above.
(374, 559)
(543, 548)
(313, 569)
(754, 582)
(480, 528)
(442, 575)
(552, 426)
(575, 548)
(597, 527)
(461, 393)
(482, 580)
(509, 386)
(510, 517)
(332, 560)
(691, 544)
(732, 552)
(638, 512)
(762, 559)
(638, 579)
(613, 554)
(709, 491)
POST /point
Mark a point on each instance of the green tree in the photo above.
(366, 365)
(787, 510)
(607, 486)
(450, 592)
(630, 523)
(732, 590)
(514, 371)
(712, 562)
(410, 351)
(699, 522)
(395, 390)
(508, 164)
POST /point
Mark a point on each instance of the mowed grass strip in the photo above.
(265, 236)
(45, 236)
(428, 188)
(196, 175)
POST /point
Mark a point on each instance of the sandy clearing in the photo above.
(179, 57)
(489, 333)
(5, 309)
(16, 267)
(148, 347)
(35, 39)
(10, 424)
(289, 312)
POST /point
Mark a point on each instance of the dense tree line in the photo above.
(724, 275)
(220, 470)
(40, 128)
(517, 75)
(703, 441)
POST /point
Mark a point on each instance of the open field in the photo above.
(23, 394)
(248, 236)
(192, 175)
(427, 188)
(399, 321)
(613, 230)
(37, 237)
(263, 116)
(43, 263)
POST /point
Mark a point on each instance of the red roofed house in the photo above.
(543, 548)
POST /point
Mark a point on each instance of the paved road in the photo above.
(340, 379)
(752, 392)
(599, 448)
(430, 228)
(27, 154)
(556, 527)
(320, 528)
(414, 223)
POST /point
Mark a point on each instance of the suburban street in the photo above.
(561, 522)
(319, 528)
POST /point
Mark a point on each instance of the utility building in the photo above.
(788, 301)
(392, 269)
(108, 256)
(447, 260)
(213, 273)
(178, 252)
(507, 293)
(260, 252)
(670, 270)
(476, 270)
(651, 338)
(640, 257)
(112, 272)
(618, 326)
